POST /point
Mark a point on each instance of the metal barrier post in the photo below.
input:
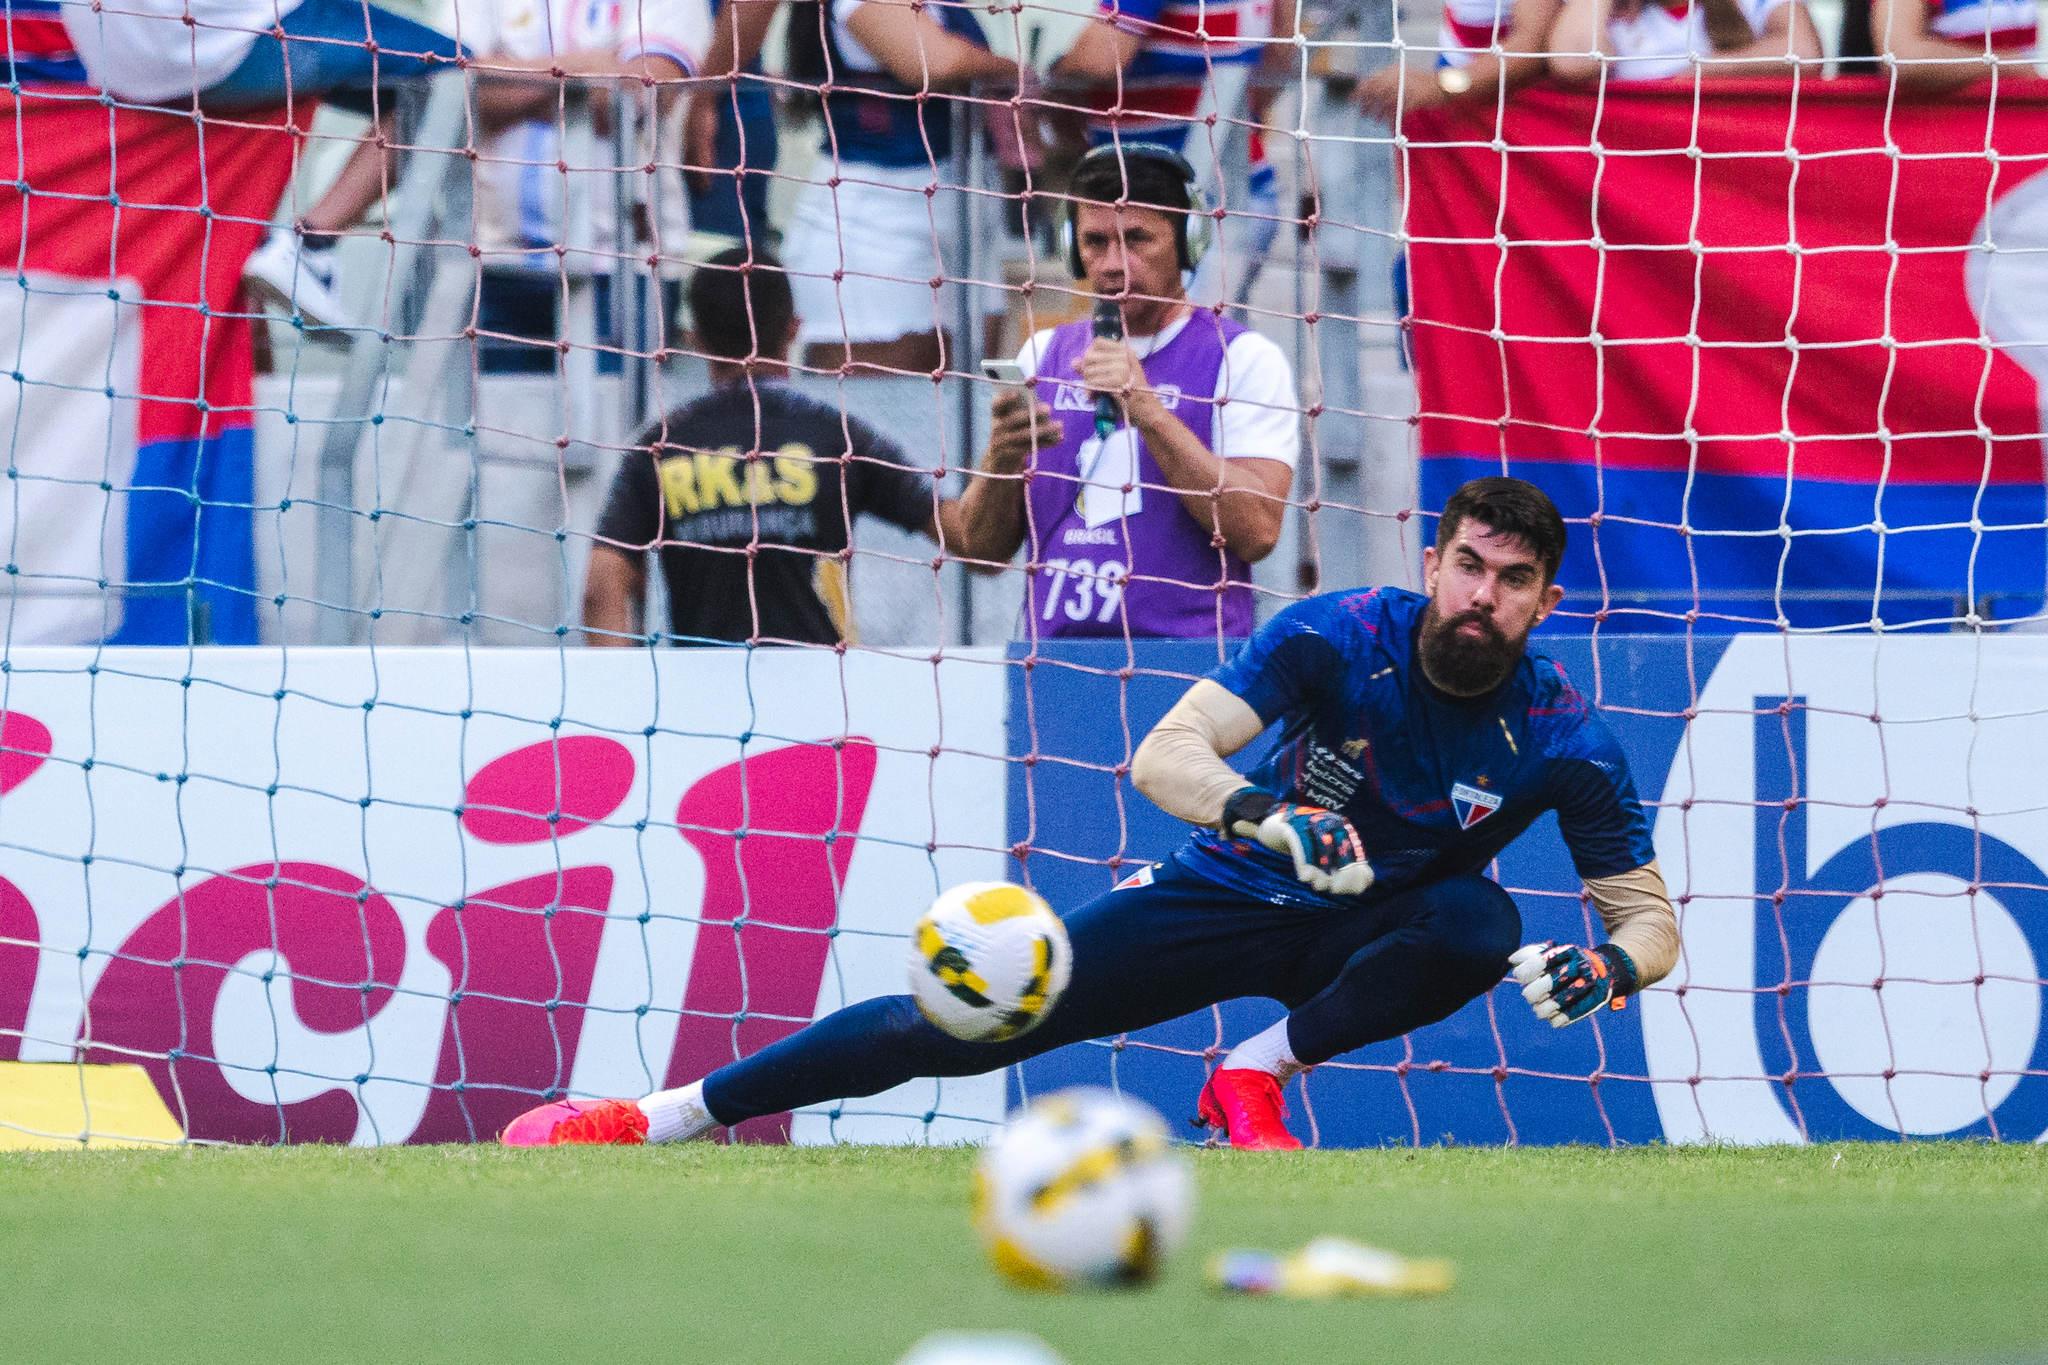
(416, 208)
(965, 355)
(1354, 251)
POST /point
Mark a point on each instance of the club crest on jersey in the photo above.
(1142, 877)
(1472, 804)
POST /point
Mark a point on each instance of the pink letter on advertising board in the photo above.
(338, 944)
(775, 832)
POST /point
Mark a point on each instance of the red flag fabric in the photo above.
(1776, 346)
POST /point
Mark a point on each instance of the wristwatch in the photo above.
(1453, 80)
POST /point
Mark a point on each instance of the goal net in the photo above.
(341, 442)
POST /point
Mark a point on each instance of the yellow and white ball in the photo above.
(1082, 1188)
(988, 961)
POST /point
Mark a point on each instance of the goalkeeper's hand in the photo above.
(1327, 854)
(1565, 984)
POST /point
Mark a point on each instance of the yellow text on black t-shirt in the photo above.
(702, 481)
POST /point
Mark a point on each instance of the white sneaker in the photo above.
(297, 277)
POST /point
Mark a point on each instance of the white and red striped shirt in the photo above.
(2010, 24)
(1660, 39)
(1184, 40)
(39, 47)
(1471, 26)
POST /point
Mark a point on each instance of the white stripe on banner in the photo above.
(70, 420)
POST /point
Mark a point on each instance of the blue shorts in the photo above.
(336, 51)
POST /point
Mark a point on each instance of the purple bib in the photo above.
(1112, 549)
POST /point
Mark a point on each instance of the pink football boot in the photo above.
(1247, 1105)
(578, 1122)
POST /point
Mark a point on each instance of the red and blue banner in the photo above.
(130, 450)
(1774, 350)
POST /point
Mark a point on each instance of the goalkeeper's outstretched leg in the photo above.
(1142, 955)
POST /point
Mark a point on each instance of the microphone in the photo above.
(1109, 322)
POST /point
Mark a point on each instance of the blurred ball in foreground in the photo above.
(1082, 1188)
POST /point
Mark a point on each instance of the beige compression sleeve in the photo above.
(1637, 912)
(1180, 764)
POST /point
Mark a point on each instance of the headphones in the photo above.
(1192, 230)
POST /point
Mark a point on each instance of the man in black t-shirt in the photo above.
(748, 493)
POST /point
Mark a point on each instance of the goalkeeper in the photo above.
(1418, 738)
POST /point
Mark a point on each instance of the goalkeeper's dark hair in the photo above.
(740, 306)
(1508, 507)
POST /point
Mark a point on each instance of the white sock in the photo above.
(677, 1115)
(1267, 1052)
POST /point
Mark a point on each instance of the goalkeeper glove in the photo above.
(1327, 854)
(1565, 984)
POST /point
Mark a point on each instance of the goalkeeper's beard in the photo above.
(1467, 665)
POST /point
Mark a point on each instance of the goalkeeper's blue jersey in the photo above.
(1435, 785)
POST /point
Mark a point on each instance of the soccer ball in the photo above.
(1082, 1188)
(988, 961)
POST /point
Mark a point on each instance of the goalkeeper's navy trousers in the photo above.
(1146, 953)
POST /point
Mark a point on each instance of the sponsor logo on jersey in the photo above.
(1472, 804)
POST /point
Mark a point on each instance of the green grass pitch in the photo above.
(704, 1253)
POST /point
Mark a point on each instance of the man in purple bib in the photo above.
(1142, 514)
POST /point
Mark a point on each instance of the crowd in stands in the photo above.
(1143, 466)
(1487, 47)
